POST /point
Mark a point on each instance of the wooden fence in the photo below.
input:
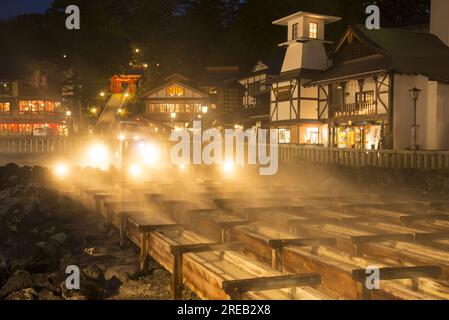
(423, 160)
(44, 145)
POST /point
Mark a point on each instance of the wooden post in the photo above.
(176, 282)
(143, 258)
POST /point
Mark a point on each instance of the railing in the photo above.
(401, 159)
(44, 145)
(356, 109)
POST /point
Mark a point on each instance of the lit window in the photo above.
(175, 91)
(313, 30)
(284, 136)
(295, 31)
(5, 107)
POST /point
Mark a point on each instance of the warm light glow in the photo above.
(204, 109)
(121, 137)
(61, 170)
(93, 110)
(228, 167)
(98, 156)
(173, 115)
(183, 168)
(137, 50)
(102, 94)
(148, 153)
(68, 113)
(145, 65)
(126, 95)
(134, 171)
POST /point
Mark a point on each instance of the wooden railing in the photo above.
(356, 109)
(423, 160)
(44, 145)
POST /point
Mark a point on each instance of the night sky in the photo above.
(11, 8)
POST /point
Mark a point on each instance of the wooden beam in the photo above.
(382, 238)
(279, 243)
(433, 272)
(235, 288)
(432, 236)
(427, 216)
(179, 250)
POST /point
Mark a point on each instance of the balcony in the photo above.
(356, 109)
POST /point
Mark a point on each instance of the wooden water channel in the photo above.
(223, 243)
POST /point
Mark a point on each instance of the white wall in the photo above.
(442, 117)
(403, 112)
(439, 24)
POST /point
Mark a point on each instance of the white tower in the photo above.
(439, 23)
(305, 49)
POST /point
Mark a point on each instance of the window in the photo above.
(175, 90)
(367, 96)
(313, 30)
(295, 33)
(5, 107)
(284, 136)
(309, 135)
(39, 107)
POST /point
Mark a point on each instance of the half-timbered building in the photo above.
(297, 111)
(368, 89)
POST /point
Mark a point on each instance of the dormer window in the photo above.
(313, 30)
(295, 31)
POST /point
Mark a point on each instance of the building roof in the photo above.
(395, 50)
(327, 19)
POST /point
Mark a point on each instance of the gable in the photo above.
(175, 90)
(351, 46)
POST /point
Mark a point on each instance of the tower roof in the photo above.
(327, 19)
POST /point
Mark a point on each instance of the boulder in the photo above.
(24, 294)
(46, 294)
(60, 238)
(94, 272)
(19, 280)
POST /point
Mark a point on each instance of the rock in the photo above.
(46, 294)
(19, 280)
(60, 238)
(94, 272)
(24, 294)
(44, 281)
(49, 249)
(121, 272)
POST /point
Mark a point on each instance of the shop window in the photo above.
(175, 91)
(309, 135)
(313, 30)
(5, 108)
(284, 136)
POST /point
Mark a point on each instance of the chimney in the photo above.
(439, 22)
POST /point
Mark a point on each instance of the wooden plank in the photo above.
(382, 237)
(400, 273)
(236, 287)
(301, 242)
(432, 236)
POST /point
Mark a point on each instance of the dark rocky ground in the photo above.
(43, 231)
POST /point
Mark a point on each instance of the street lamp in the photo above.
(414, 94)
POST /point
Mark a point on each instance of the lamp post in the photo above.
(414, 94)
